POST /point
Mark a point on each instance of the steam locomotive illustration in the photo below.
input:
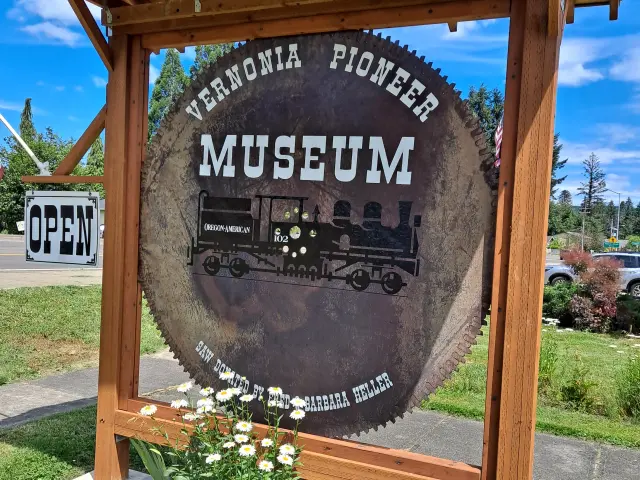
(286, 240)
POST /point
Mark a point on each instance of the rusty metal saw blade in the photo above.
(309, 263)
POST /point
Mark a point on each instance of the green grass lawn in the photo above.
(53, 329)
(60, 447)
(591, 359)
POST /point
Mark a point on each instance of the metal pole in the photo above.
(43, 167)
(582, 243)
(618, 227)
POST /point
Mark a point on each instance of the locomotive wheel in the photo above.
(360, 280)
(211, 265)
(391, 283)
(313, 273)
(238, 267)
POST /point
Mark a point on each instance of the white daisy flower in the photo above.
(298, 402)
(235, 391)
(226, 376)
(216, 457)
(246, 398)
(266, 442)
(287, 449)
(224, 395)
(190, 417)
(205, 409)
(265, 466)
(205, 402)
(206, 392)
(285, 459)
(275, 390)
(185, 387)
(229, 445)
(240, 438)
(148, 410)
(244, 426)
(261, 398)
(297, 414)
(247, 450)
(178, 404)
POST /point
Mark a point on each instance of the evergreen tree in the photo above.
(206, 55)
(594, 185)
(556, 164)
(168, 87)
(488, 107)
(26, 128)
(565, 198)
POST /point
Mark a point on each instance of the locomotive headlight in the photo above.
(295, 232)
(278, 231)
(294, 254)
(303, 250)
(312, 233)
(285, 249)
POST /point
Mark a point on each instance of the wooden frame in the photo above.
(534, 39)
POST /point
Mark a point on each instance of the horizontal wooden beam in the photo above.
(62, 179)
(83, 144)
(93, 31)
(380, 462)
(151, 12)
(454, 11)
(453, 27)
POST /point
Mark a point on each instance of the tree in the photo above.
(206, 55)
(556, 164)
(94, 166)
(48, 147)
(168, 87)
(488, 107)
(594, 185)
(565, 198)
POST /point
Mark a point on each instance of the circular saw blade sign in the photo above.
(336, 207)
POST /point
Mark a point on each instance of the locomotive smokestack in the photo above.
(404, 209)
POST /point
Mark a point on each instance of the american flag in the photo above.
(498, 140)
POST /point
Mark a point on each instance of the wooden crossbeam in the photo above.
(93, 31)
(453, 26)
(150, 12)
(457, 10)
(365, 462)
(62, 179)
(83, 144)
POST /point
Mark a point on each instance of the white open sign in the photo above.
(62, 227)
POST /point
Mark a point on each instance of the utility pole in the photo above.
(617, 235)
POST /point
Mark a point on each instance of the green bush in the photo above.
(469, 378)
(628, 313)
(548, 364)
(557, 300)
(555, 245)
(628, 389)
(577, 392)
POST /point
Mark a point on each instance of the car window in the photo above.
(628, 261)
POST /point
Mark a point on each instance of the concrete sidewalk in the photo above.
(556, 458)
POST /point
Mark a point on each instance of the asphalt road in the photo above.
(16, 272)
(12, 257)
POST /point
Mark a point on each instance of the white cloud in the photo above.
(72, 118)
(578, 152)
(99, 81)
(78, 88)
(616, 133)
(634, 102)
(575, 54)
(576, 75)
(58, 11)
(153, 74)
(17, 107)
(49, 31)
(628, 68)
(59, 88)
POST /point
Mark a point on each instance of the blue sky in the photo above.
(46, 56)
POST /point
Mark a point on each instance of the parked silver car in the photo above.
(629, 272)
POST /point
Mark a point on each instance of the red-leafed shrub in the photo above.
(578, 260)
(594, 306)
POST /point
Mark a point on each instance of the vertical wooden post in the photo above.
(125, 140)
(523, 209)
